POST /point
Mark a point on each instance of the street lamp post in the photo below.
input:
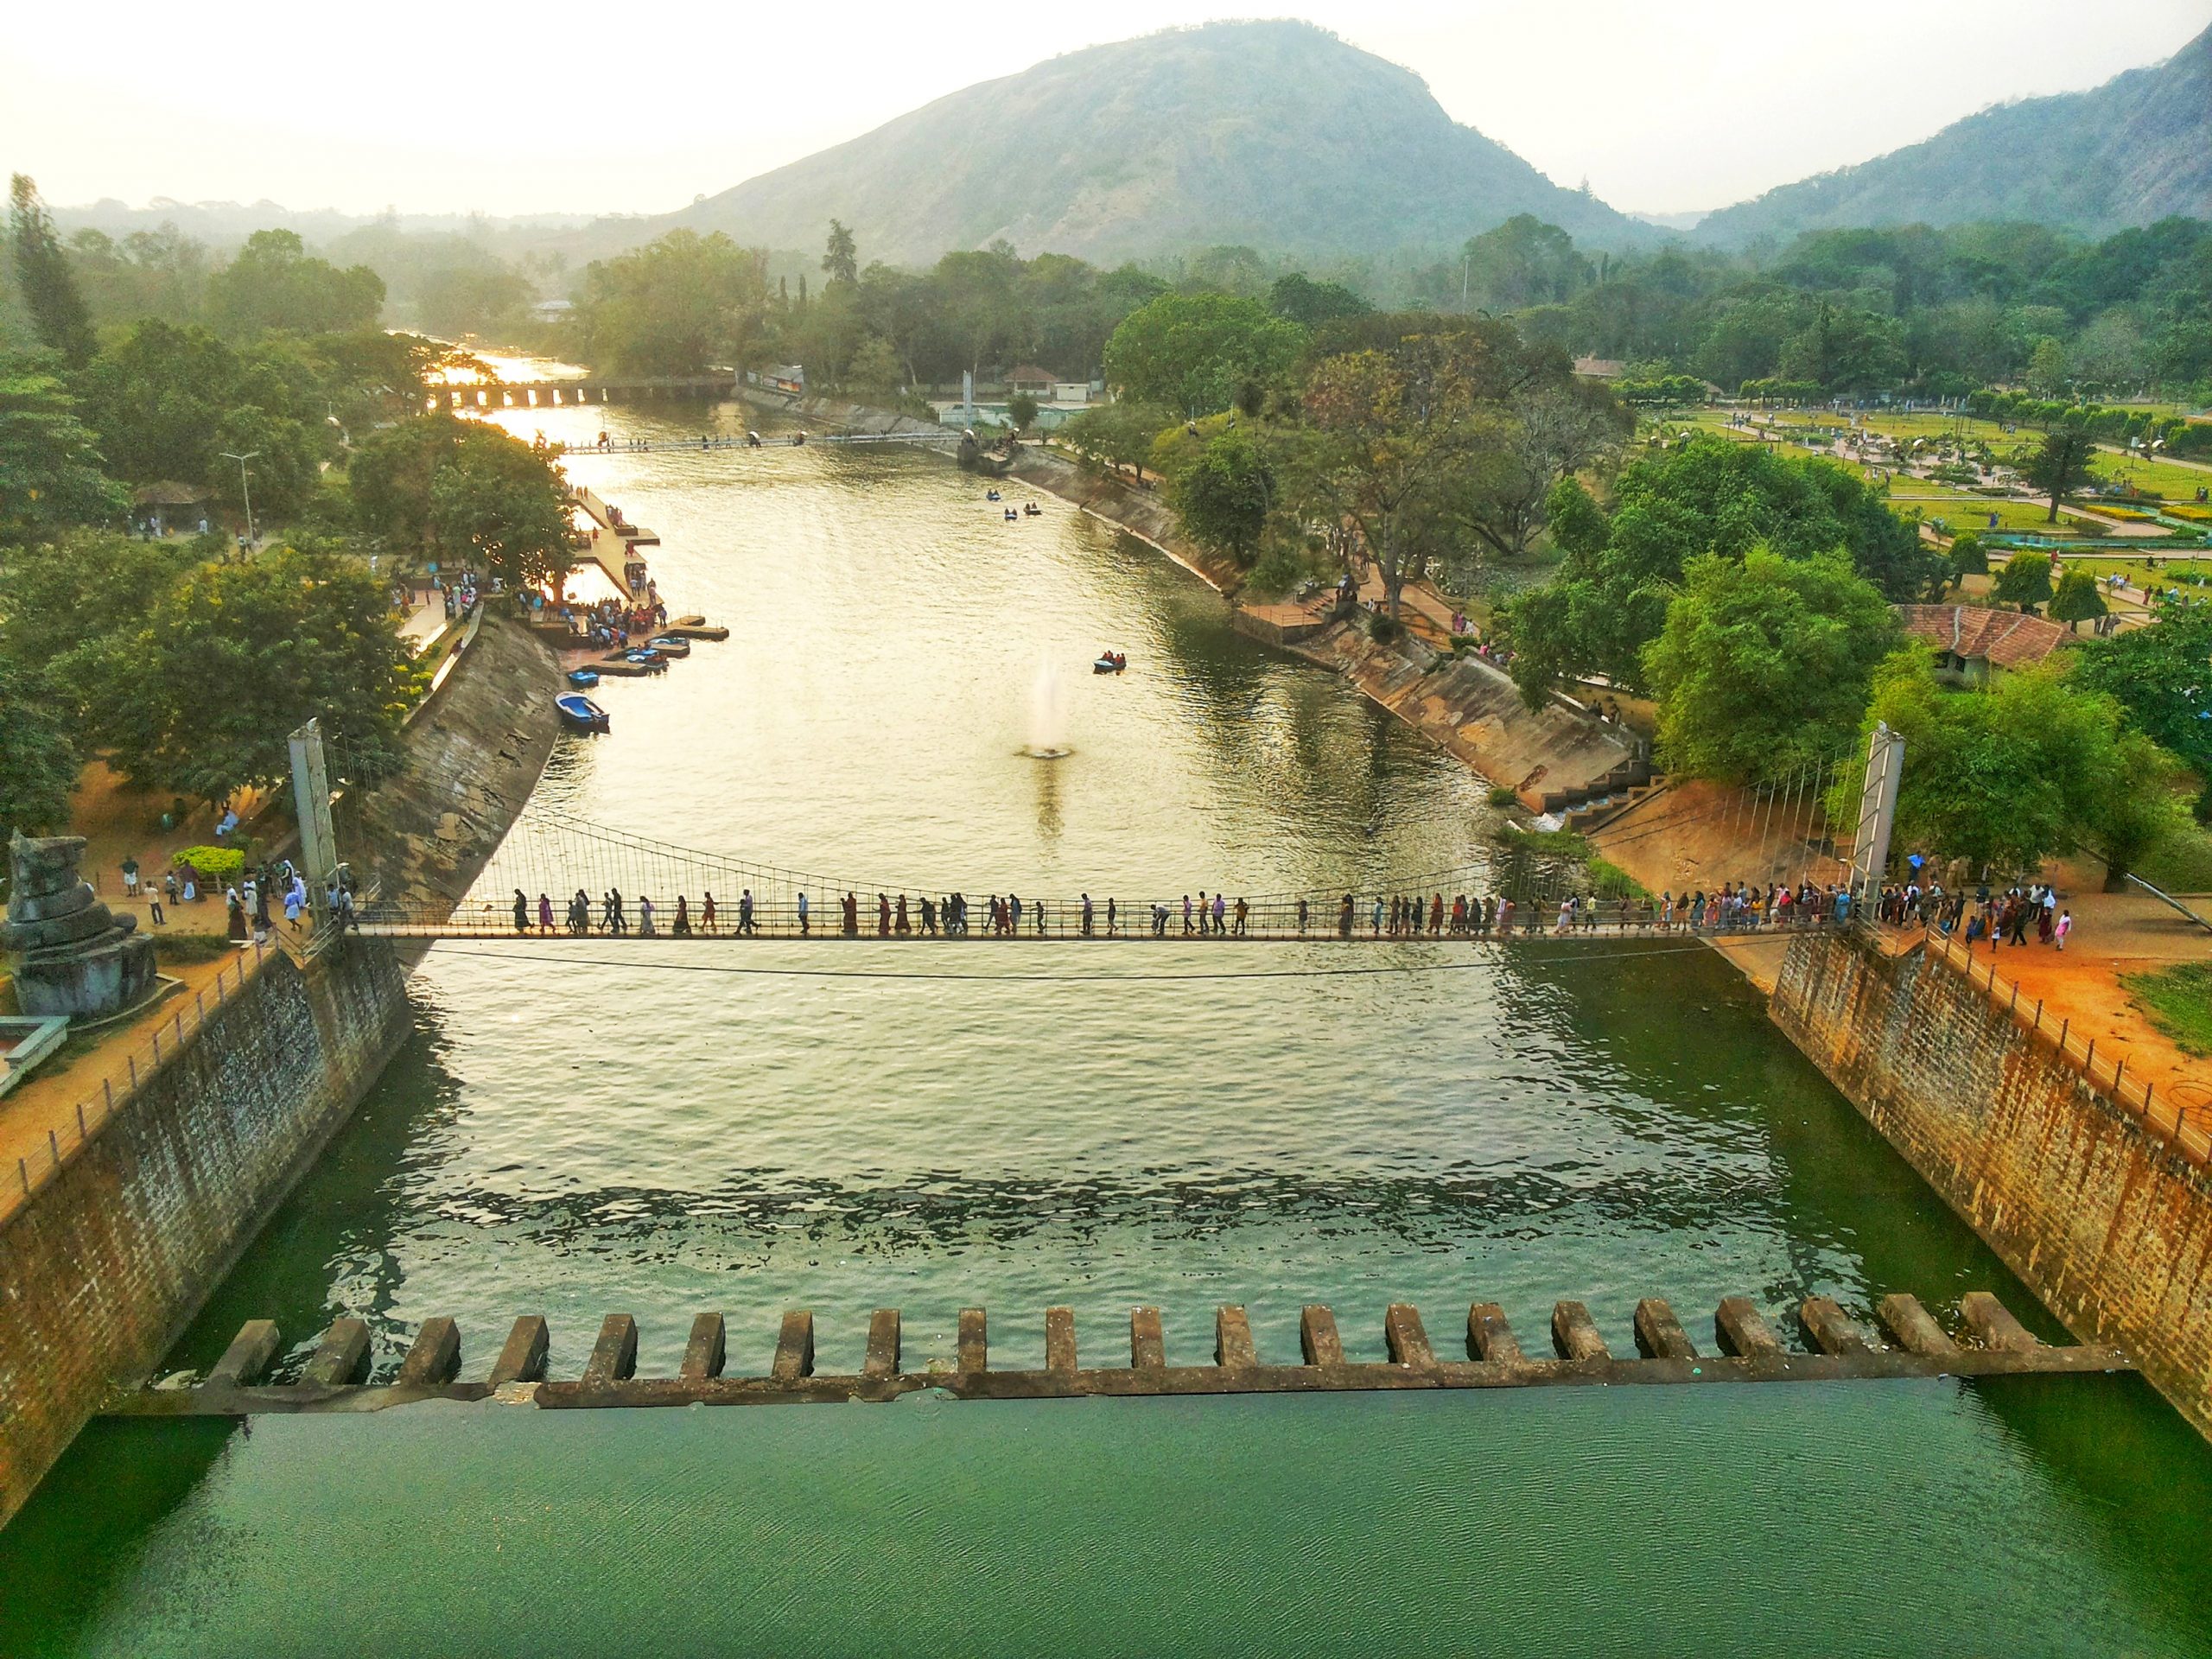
(245, 489)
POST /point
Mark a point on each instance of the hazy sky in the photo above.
(637, 108)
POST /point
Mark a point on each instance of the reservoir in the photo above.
(658, 1130)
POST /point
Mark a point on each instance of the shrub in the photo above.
(1502, 796)
(215, 864)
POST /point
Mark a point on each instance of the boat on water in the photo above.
(670, 645)
(1110, 662)
(580, 714)
(651, 661)
(586, 676)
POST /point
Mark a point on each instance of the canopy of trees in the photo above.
(465, 493)
(1624, 563)
(1196, 353)
(1765, 665)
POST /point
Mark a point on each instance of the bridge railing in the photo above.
(1273, 918)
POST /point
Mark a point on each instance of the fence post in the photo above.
(2089, 1060)
(107, 1095)
(2116, 1070)
(180, 1025)
(131, 1060)
(2064, 1026)
(83, 1133)
(2013, 1007)
(157, 1046)
(54, 1145)
(24, 1169)
(2038, 1025)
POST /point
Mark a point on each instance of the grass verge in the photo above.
(2178, 1001)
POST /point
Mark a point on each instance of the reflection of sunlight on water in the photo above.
(506, 366)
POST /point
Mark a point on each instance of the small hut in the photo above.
(170, 506)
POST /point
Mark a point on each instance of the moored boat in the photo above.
(670, 645)
(583, 677)
(580, 714)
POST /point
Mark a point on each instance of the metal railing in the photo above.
(2105, 1074)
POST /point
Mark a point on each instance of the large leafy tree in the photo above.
(2025, 581)
(463, 492)
(50, 474)
(1193, 352)
(241, 654)
(275, 283)
(2022, 770)
(2161, 677)
(42, 275)
(1622, 564)
(155, 399)
(1221, 493)
(1765, 665)
(38, 762)
(675, 305)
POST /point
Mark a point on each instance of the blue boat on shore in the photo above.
(580, 714)
(583, 677)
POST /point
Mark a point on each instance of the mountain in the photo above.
(1275, 135)
(2135, 149)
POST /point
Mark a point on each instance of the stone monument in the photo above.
(69, 953)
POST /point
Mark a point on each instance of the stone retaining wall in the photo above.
(2096, 1213)
(102, 1271)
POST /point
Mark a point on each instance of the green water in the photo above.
(578, 1130)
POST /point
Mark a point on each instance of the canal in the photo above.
(660, 1130)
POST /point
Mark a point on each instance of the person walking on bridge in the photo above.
(707, 911)
(804, 930)
(899, 925)
(522, 910)
(580, 913)
(1220, 909)
(544, 910)
(682, 925)
(852, 918)
(1343, 918)
(745, 913)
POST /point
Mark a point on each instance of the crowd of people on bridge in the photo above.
(1731, 907)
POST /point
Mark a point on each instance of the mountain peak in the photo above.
(2133, 151)
(1276, 133)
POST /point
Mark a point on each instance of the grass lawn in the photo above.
(2178, 1001)
(2182, 862)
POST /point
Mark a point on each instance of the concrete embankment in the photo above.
(2106, 1217)
(104, 1265)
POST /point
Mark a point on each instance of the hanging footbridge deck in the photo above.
(336, 1376)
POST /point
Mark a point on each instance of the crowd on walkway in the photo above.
(248, 901)
(610, 624)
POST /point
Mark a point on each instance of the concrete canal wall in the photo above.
(102, 1267)
(101, 1273)
(2103, 1217)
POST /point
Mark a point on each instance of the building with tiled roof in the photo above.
(1972, 640)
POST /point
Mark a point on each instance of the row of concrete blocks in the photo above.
(335, 1376)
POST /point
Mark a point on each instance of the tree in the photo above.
(38, 763)
(1523, 447)
(50, 474)
(840, 259)
(42, 275)
(1381, 431)
(154, 398)
(2078, 598)
(1222, 496)
(2161, 677)
(1299, 298)
(2060, 465)
(1967, 556)
(465, 492)
(242, 654)
(675, 305)
(1622, 565)
(275, 283)
(1765, 665)
(1021, 410)
(1116, 434)
(1522, 261)
(2025, 581)
(2024, 769)
(1192, 351)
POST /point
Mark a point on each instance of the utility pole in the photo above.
(246, 489)
(1467, 266)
